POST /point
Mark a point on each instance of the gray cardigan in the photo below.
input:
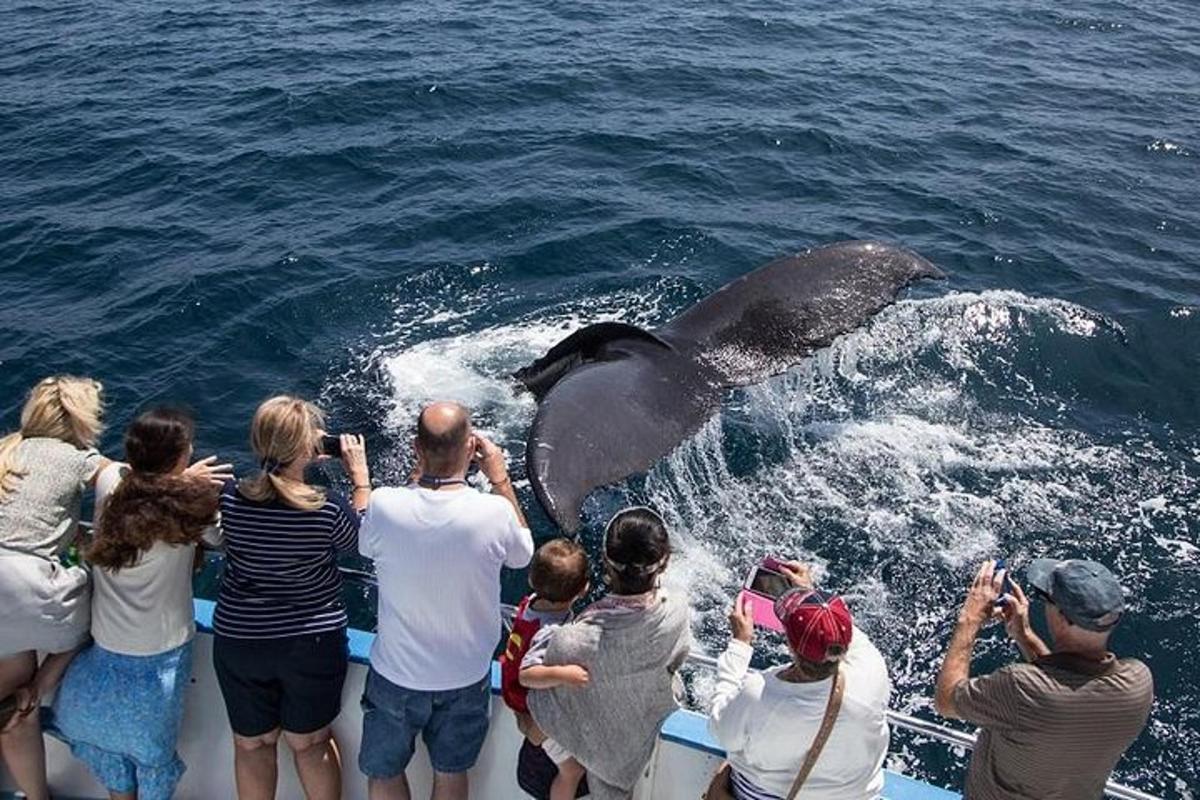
(611, 725)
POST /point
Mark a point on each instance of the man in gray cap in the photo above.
(1052, 728)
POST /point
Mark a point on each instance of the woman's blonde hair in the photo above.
(59, 407)
(285, 429)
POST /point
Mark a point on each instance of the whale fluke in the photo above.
(614, 398)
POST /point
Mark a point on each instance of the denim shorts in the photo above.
(453, 725)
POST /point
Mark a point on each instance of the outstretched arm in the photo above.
(545, 677)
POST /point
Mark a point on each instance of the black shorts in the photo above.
(293, 683)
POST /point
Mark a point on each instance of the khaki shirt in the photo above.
(1053, 729)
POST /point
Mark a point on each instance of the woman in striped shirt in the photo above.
(280, 623)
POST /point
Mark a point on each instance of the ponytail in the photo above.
(266, 487)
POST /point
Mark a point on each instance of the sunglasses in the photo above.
(1044, 596)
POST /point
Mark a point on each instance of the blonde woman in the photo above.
(44, 469)
(280, 623)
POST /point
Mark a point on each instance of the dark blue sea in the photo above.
(375, 203)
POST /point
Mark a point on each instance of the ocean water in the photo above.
(374, 204)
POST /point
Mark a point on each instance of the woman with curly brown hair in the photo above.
(121, 701)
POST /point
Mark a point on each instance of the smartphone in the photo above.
(768, 582)
(762, 588)
(1007, 587)
(331, 445)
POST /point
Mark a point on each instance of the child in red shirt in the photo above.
(558, 576)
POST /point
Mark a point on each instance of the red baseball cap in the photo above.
(818, 625)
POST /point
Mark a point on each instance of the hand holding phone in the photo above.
(1006, 587)
(741, 620)
(763, 586)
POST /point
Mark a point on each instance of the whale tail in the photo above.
(615, 398)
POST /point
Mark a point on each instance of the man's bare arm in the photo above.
(495, 468)
(977, 609)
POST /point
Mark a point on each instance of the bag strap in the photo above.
(836, 690)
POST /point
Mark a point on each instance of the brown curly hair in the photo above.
(151, 504)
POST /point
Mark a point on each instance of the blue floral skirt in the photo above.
(121, 715)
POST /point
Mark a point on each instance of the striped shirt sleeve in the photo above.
(345, 525)
(993, 701)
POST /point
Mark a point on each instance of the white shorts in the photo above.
(555, 751)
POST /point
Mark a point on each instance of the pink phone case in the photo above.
(762, 610)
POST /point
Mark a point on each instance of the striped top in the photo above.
(1053, 729)
(281, 576)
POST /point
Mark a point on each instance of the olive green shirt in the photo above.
(1053, 729)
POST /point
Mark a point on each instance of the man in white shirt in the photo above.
(438, 547)
(768, 721)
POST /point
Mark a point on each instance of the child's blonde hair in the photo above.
(60, 407)
(284, 429)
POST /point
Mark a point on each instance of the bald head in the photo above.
(443, 438)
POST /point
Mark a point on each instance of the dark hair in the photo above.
(559, 571)
(150, 504)
(442, 449)
(636, 549)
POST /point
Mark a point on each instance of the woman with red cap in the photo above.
(816, 728)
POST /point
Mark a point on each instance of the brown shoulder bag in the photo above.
(720, 788)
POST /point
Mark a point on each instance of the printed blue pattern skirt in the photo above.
(121, 714)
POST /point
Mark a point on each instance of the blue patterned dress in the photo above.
(121, 714)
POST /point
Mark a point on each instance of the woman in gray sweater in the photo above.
(632, 644)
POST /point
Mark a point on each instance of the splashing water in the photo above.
(943, 433)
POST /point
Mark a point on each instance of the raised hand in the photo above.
(741, 620)
(207, 469)
(798, 573)
(985, 590)
(1015, 611)
(354, 459)
(493, 463)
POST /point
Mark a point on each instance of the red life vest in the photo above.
(515, 648)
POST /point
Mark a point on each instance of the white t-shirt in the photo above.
(767, 724)
(438, 555)
(144, 609)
